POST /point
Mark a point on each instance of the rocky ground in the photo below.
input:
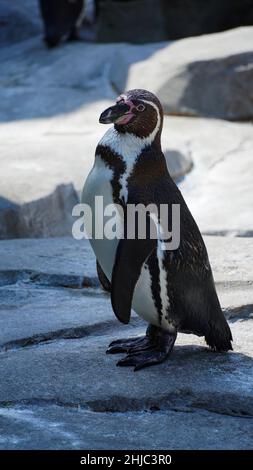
(58, 388)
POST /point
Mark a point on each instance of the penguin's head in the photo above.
(137, 112)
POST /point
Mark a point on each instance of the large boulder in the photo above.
(204, 76)
(219, 189)
(49, 216)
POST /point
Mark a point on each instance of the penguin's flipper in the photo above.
(130, 257)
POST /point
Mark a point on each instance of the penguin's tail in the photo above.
(219, 336)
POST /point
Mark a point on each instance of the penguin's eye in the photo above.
(140, 107)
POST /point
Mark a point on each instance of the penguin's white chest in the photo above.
(98, 191)
(99, 184)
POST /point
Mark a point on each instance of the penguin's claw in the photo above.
(145, 359)
(126, 345)
(144, 351)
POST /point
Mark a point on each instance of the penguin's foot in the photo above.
(144, 351)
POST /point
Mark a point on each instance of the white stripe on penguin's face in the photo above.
(158, 124)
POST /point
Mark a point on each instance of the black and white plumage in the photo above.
(174, 290)
(62, 19)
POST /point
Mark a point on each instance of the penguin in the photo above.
(173, 290)
(62, 18)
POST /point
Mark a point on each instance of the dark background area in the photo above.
(135, 21)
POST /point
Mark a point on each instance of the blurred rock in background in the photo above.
(210, 75)
(185, 18)
(141, 21)
(135, 21)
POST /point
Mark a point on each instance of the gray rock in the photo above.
(61, 370)
(225, 84)
(31, 268)
(204, 76)
(61, 90)
(193, 18)
(120, 21)
(219, 189)
(49, 216)
(45, 217)
(42, 312)
(53, 256)
(9, 218)
(58, 427)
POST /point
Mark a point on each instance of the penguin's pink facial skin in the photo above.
(137, 112)
(114, 113)
(127, 117)
(121, 113)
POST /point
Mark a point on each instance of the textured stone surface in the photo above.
(63, 370)
(57, 427)
(51, 289)
(204, 76)
(219, 189)
(44, 217)
(55, 324)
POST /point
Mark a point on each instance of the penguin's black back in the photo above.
(194, 304)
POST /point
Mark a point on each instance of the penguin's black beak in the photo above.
(112, 114)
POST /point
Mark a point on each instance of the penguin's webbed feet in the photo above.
(144, 351)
